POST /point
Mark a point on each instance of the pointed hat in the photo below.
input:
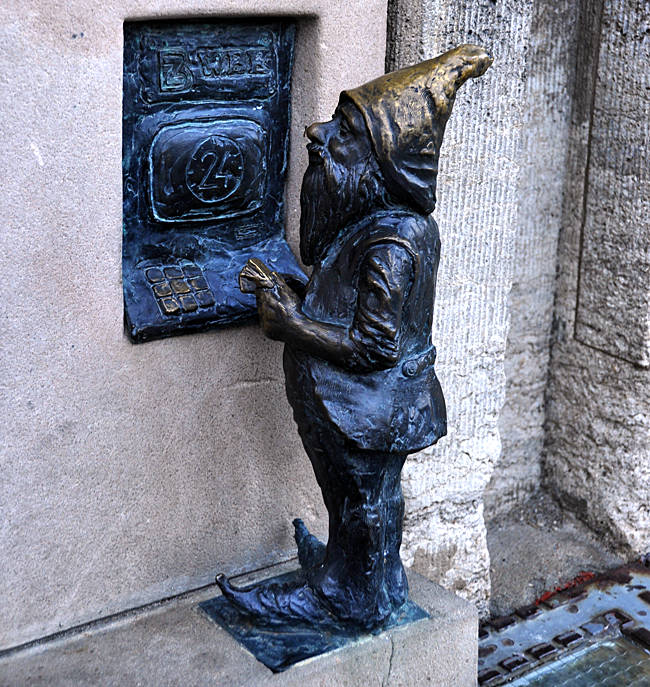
(406, 112)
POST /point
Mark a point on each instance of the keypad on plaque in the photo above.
(179, 289)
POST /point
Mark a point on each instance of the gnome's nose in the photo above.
(315, 133)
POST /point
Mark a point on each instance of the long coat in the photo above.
(377, 280)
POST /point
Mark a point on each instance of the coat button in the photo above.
(410, 368)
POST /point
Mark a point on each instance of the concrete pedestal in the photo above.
(175, 643)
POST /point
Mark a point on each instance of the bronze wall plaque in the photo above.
(205, 133)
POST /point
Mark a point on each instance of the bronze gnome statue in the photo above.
(358, 357)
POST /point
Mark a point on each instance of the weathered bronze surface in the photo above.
(206, 115)
(359, 359)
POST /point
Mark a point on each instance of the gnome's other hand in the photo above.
(278, 309)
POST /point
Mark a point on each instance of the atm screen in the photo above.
(212, 169)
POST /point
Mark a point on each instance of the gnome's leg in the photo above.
(395, 574)
(311, 551)
(362, 577)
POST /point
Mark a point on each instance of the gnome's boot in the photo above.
(275, 603)
(279, 604)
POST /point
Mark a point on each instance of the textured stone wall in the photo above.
(598, 430)
(478, 212)
(550, 70)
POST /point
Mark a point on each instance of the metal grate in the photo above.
(612, 663)
(595, 634)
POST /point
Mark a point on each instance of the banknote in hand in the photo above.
(255, 274)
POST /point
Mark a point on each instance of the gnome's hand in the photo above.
(278, 309)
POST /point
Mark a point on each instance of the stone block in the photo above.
(547, 98)
(598, 424)
(176, 643)
(613, 299)
(478, 213)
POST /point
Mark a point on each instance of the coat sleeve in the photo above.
(385, 277)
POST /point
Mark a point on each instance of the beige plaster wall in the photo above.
(132, 472)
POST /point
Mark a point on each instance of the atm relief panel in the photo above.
(205, 136)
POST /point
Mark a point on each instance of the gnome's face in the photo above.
(381, 147)
(345, 137)
(341, 183)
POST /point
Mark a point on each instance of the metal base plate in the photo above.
(278, 648)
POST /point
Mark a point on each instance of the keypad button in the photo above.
(188, 303)
(191, 270)
(162, 290)
(179, 286)
(198, 283)
(154, 274)
(169, 306)
(204, 298)
(173, 272)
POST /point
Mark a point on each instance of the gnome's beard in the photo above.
(333, 196)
